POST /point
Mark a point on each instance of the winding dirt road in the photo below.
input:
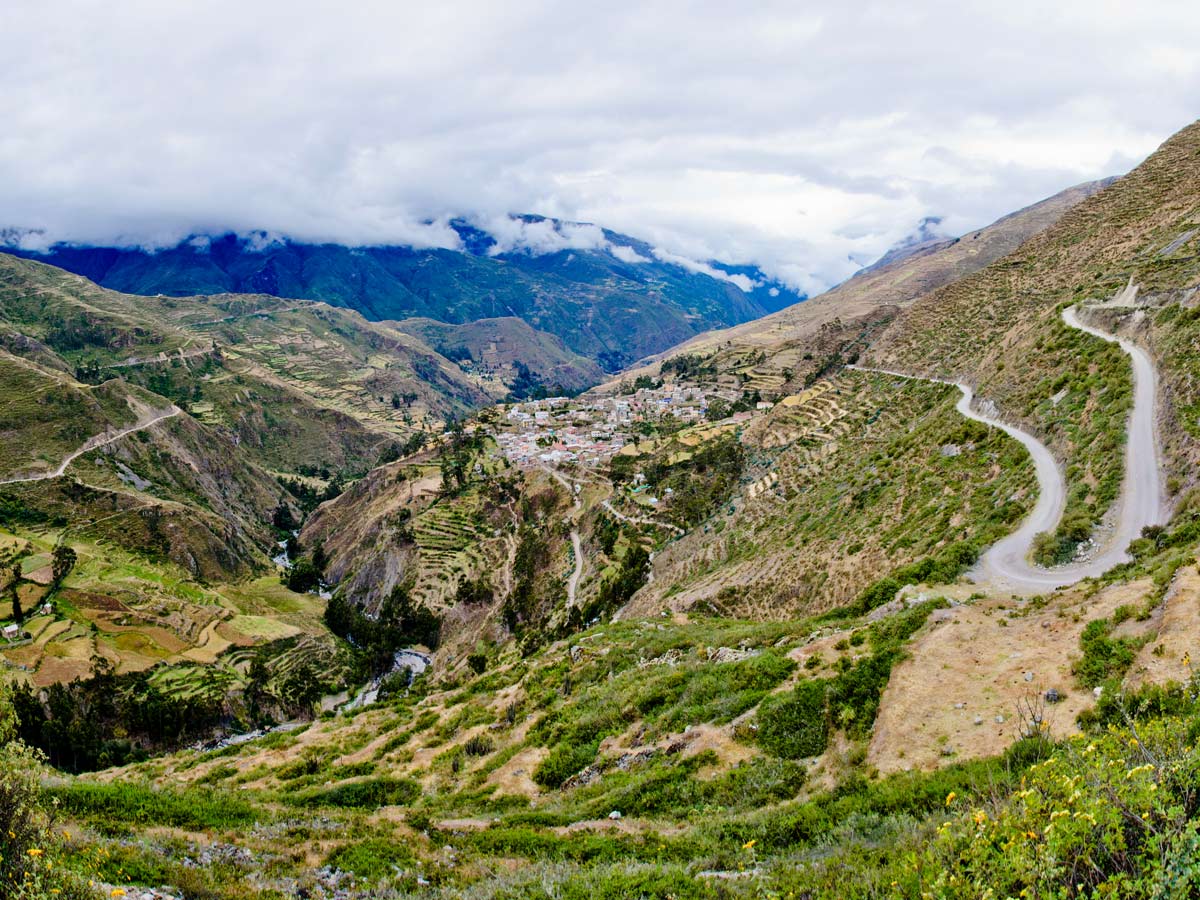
(1005, 565)
(573, 584)
(95, 441)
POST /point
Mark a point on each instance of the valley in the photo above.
(805, 603)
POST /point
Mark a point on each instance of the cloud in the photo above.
(804, 138)
(744, 282)
(627, 254)
(258, 241)
(516, 235)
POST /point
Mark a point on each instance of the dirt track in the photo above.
(1005, 565)
(95, 441)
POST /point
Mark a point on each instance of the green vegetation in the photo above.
(666, 700)
(369, 794)
(30, 847)
(1105, 658)
(943, 568)
(110, 720)
(794, 725)
(401, 622)
(693, 484)
(371, 859)
(124, 805)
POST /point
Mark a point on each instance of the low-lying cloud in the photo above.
(745, 282)
(804, 138)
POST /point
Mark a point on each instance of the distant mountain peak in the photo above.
(927, 235)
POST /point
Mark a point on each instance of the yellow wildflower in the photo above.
(749, 845)
(116, 892)
(34, 851)
(950, 797)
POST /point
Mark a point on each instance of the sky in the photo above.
(804, 137)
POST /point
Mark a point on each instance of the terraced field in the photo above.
(453, 545)
(136, 615)
(846, 481)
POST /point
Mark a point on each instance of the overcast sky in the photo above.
(806, 137)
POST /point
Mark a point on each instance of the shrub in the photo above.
(565, 760)
(1106, 816)
(371, 859)
(369, 794)
(794, 725)
(118, 805)
(478, 745)
(942, 568)
(1104, 657)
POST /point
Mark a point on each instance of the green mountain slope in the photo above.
(612, 301)
(743, 655)
(164, 442)
(507, 355)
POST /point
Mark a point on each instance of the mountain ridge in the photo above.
(608, 297)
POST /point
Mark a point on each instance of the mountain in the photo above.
(894, 281)
(256, 388)
(722, 628)
(608, 297)
(507, 355)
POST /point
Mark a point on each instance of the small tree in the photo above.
(63, 562)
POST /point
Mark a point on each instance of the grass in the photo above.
(120, 806)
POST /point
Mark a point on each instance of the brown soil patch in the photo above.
(233, 636)
(88, 600)
(515, 776)
(463, 824)
(1176, 652)
(30, 595)
(43, 575)
(968, 669)
(719, 740)
(55, 669)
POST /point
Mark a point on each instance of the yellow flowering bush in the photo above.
(1112, 816)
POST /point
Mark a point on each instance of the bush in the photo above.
(1104, 658)
(942, 568)
(478, 745)
(371, 859)
(370, 794)
(565, 760)
(794, 725)
(1151, 701)
(1108, 816)
(118, 805)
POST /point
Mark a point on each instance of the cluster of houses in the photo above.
(588, 430)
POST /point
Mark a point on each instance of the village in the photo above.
(590, 429)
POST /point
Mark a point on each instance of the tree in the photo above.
(63, 561)
(283, 519)
(302, 688)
